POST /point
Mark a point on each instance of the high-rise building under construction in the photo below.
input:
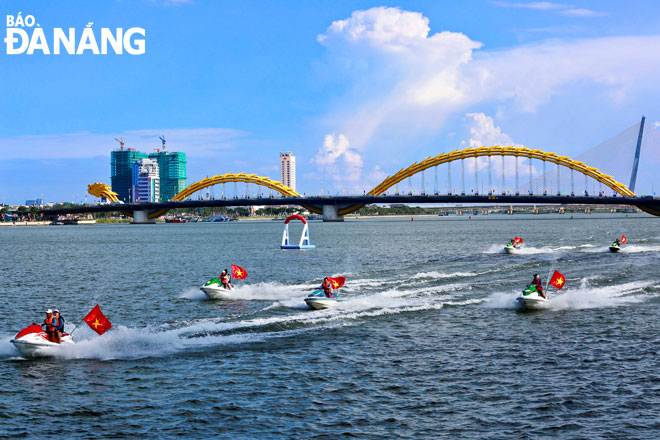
(121, 171)
(172, 171)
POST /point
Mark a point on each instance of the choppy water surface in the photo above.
(428, 343)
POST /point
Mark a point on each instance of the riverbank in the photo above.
(44, 223)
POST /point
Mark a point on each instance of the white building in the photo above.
(288, 169)
(146, 183)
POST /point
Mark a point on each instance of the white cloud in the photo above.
(344, 166)
(581, 12)
(397, 71)
(336, 159)
(404, 82)
(199, 142)
(484, 132)
(541, 6)
(560, 8)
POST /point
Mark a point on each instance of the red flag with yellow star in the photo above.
(558, 280)
(97, 320)
(336, 282)
(238, 272)
(623, 239)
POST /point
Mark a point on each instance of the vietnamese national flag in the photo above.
(623, 239)
(517, 240)
(337, 282)
(558, 280)
(97, 320)
(238, 272)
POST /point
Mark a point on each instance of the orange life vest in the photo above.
(51, 322)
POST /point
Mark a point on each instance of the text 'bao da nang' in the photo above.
(26, 36)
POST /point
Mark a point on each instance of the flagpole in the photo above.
(547, 283)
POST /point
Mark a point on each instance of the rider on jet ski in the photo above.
(617, 242)
(51, 322)
(327, 288)
(536, 282)
(225, 279)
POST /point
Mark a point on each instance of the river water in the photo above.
(427, 344)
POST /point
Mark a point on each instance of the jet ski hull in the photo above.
(36, 345)
(532, 301)
(214, 291)
(320, 302)
(512, 249)
(615, 249)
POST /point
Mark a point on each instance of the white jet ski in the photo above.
(318, 301)
(215, 290)
(512, 248)
(615, 248)
(33, 342)
(531, 300)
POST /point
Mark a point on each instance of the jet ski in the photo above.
(513, 248)
(615, 248)
(33, 342)
(531, 300)
(318, 301)
(215, 290)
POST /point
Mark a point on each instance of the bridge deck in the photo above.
(644, 201)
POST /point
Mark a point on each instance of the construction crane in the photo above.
(121, 143)
(162, 139)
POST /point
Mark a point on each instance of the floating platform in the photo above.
(304, 242)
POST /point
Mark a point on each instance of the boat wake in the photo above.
(528, 250)
(440, 275)
(267, 291)
(584, 297)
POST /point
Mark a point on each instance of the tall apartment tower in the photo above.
(146, 181)
(288, 169)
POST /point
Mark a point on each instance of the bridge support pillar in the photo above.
(330, 214)
(142, 218)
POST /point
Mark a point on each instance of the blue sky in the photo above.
(357, 90)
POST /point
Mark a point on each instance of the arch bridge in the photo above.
(334, 208)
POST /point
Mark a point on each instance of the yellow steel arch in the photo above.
(236, 177)
(502, 151)
(102, 190)
(493, 151)
(226, 178)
